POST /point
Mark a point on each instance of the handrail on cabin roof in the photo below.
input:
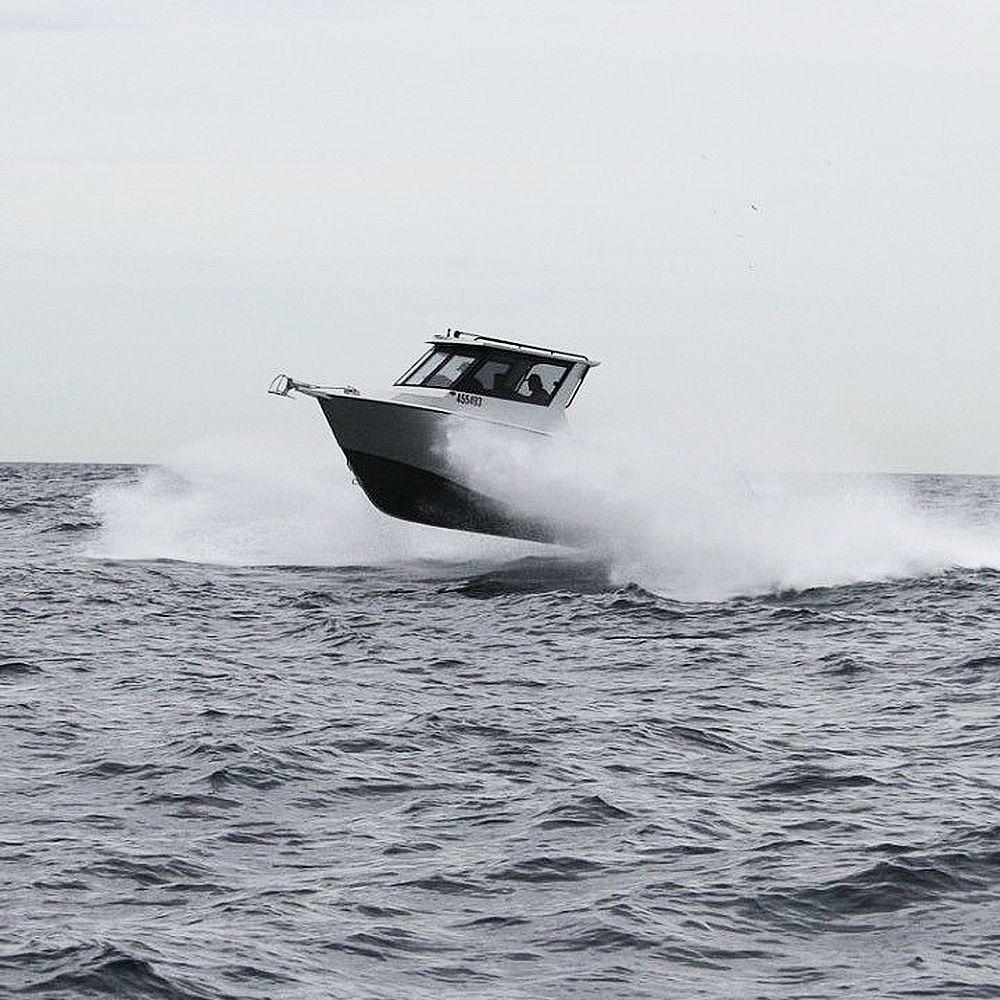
(452, 335)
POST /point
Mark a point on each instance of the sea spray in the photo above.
(676, 528)
(698, 532)
(263, 501)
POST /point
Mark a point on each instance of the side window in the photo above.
(540, 383)
(492, 378)
(449, 372)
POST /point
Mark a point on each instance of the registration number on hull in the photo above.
(466, 399)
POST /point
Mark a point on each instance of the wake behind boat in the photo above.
(397, 445)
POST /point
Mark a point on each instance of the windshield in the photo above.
(501, 374)
(439, 370)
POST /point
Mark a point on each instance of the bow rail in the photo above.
(285, 385)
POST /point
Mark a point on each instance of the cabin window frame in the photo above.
(521, 365)
(524, 364)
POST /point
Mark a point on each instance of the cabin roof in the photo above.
(458, 338)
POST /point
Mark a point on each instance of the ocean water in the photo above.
(258, 741)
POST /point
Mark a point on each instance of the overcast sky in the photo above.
(776, 223)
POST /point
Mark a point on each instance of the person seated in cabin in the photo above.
(536, 389)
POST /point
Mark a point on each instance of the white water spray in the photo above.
(672, 528)
(263, 501)
(691, 532)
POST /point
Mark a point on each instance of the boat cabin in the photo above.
(470, 368)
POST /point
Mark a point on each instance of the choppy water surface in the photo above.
(522, 774)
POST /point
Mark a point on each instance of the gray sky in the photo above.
(777, 223)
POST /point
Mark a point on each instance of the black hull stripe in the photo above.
(414, 494)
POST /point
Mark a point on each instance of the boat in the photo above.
(397, 444)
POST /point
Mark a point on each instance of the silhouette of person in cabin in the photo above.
(536, 390)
